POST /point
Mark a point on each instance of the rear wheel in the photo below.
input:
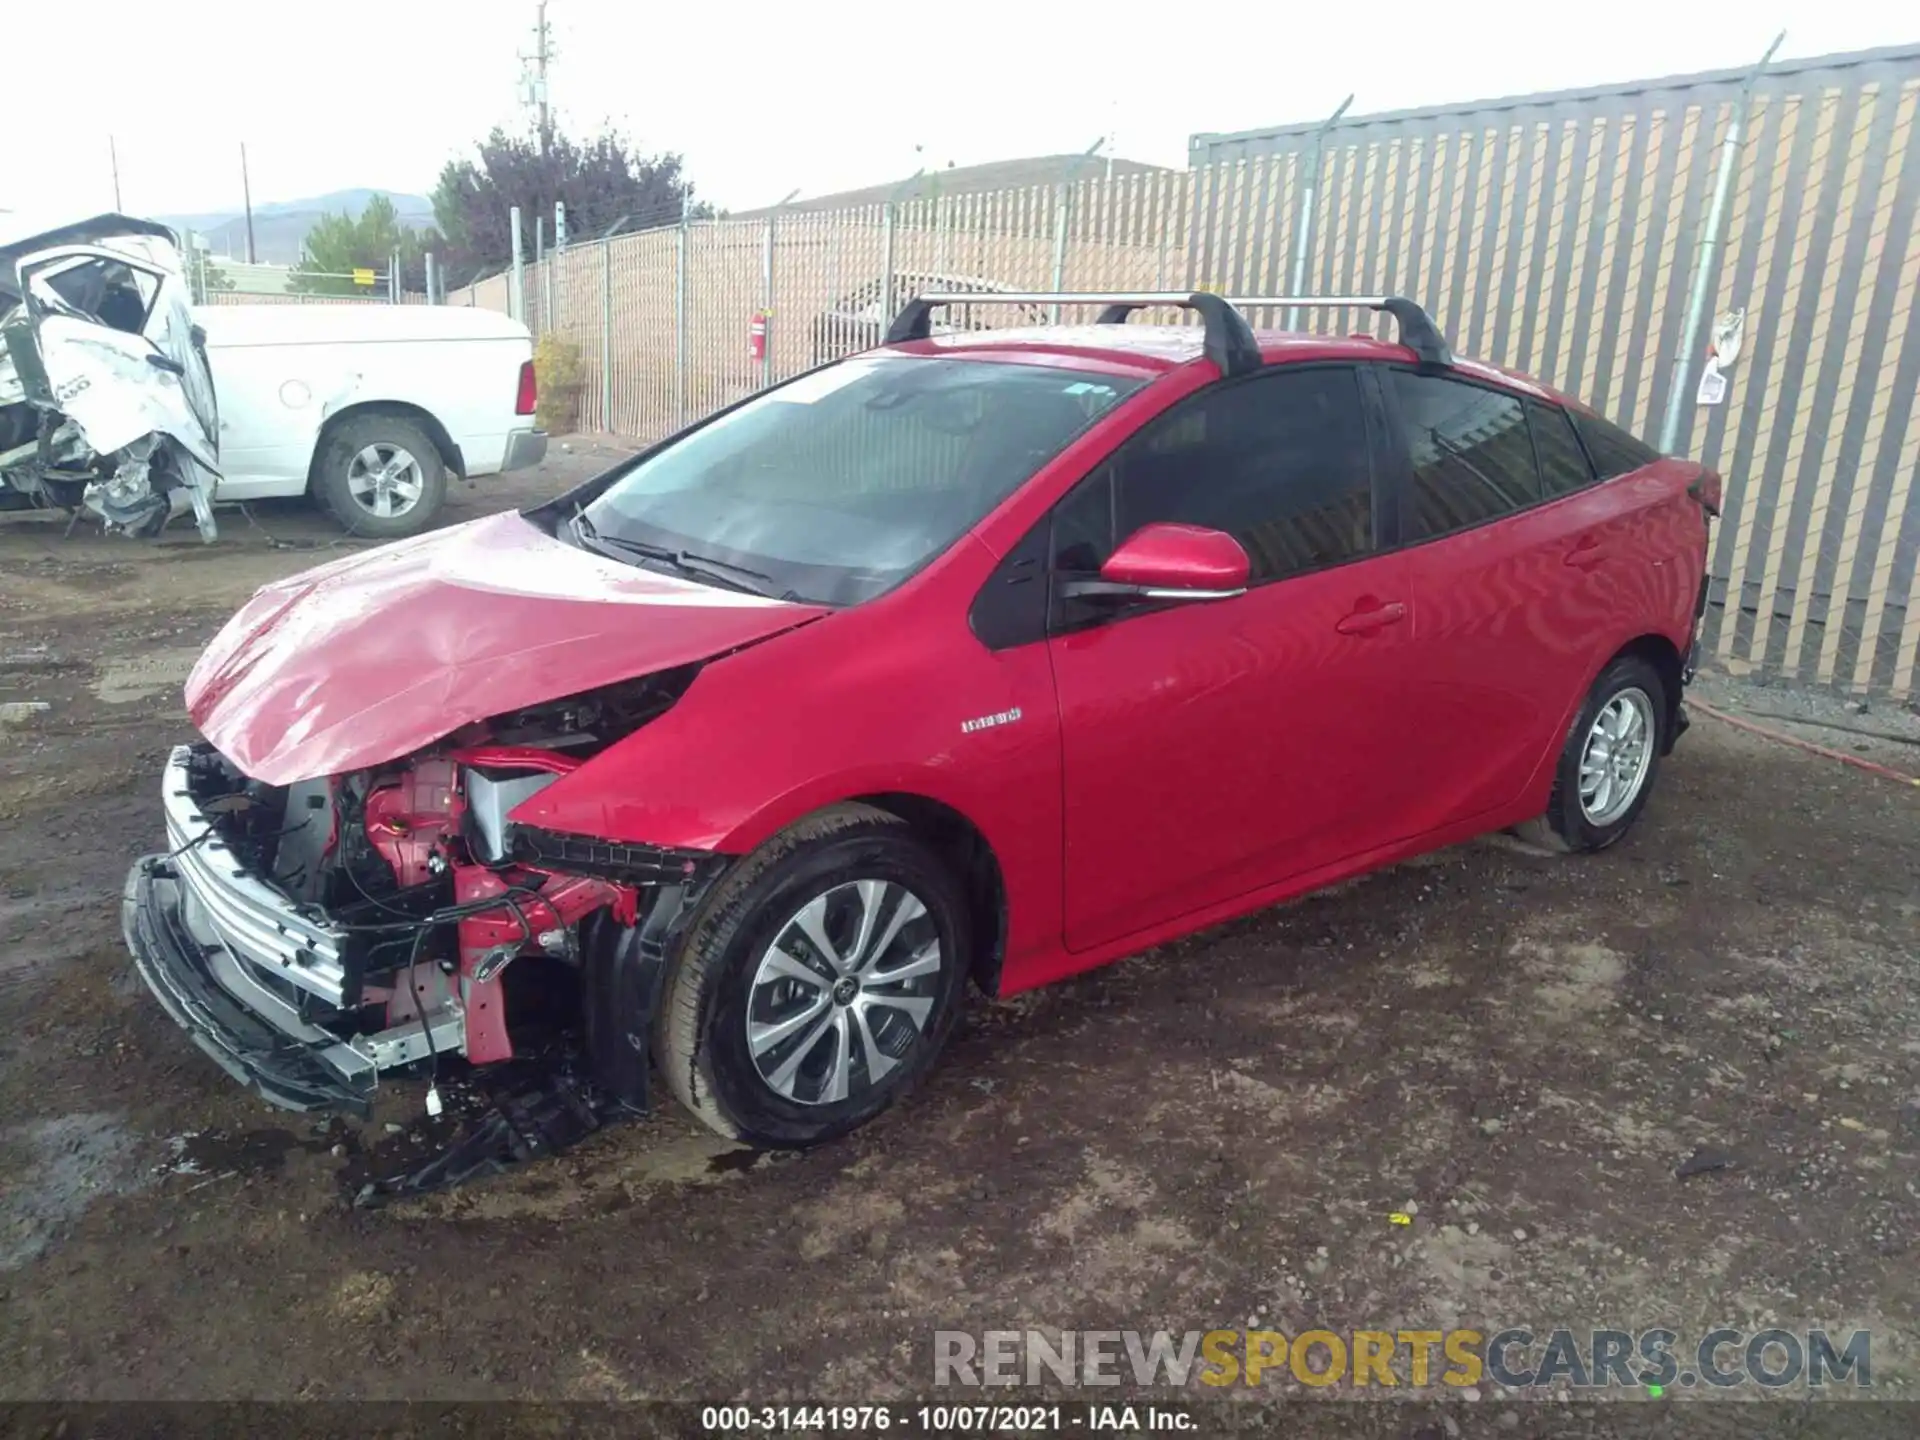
(819, 982)
(1611, 757)
(381, 475)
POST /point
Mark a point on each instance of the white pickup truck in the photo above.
(369, 408)
(117, 396)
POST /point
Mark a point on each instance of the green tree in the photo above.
(337, 245)
(603, 181)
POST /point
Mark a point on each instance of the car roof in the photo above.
(1152, 350)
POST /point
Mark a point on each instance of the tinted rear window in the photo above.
(1613, 450)
(1471, 456)
(1563, 465)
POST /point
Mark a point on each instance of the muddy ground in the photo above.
(1515, 1051)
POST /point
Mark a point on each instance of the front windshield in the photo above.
(837, 486)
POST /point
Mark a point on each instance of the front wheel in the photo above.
(1611, 757)
(818, 983)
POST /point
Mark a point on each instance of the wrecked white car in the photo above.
(106, 396)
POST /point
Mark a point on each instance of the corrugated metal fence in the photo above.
(1554, 233)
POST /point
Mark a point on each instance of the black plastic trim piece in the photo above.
(1418, 332)
(914, 322)
(581, 854)
(1011, 608)
(625, 973)
(1229, 339)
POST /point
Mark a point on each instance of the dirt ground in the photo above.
(1515, 1051)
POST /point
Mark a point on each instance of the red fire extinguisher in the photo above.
(757, 337)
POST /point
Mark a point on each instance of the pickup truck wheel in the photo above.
(1607, 768)
(818, 983)
(381, 475)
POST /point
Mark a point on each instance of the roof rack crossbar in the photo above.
(1229, 341)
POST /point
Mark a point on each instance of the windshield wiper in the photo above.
(703, 567)
(688, 557)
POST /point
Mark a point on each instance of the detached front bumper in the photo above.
(252, 976)
(252, 1032)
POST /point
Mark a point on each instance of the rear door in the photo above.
(1520, 568)
(1213, 747)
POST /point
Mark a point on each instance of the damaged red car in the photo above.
(980, 658)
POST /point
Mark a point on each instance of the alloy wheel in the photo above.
(385, 480)
(844, 992)
(1617, 756)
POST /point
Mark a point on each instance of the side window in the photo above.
(1614, 451)
(1083, 525)
(1471, 454)
(116, 295)
(1563, 464)
(1279, 462)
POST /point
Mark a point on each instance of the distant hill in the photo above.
(280, 226)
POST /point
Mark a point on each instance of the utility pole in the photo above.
(113, 159)
(540, 66)
(246, 193)
(535, 81)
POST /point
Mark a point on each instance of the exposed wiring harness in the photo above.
(212, 829)
(418, 928)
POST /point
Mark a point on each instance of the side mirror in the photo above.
(1170, 562)
(166, 363)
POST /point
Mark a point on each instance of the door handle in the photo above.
(1587, 552)
(1368, 622)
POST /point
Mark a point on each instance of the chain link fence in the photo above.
(1555, 234)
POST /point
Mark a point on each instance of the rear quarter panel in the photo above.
(1660, 532)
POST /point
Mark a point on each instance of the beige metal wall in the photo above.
(1558, 234)
(1554, 234)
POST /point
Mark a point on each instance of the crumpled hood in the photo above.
(372, 657)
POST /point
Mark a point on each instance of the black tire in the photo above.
(333, 483)
(1566, 826)
(700, 1034)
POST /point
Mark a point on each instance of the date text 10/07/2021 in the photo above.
(946, 1419)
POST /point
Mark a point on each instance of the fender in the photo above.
(888, 692)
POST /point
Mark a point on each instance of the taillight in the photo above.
(528, 399)
(1706, 489)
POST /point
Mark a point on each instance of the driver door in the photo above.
(1212, 747)
(115, 337)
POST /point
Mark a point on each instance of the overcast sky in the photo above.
(765, 98)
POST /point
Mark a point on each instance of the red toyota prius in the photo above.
(983, 656)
